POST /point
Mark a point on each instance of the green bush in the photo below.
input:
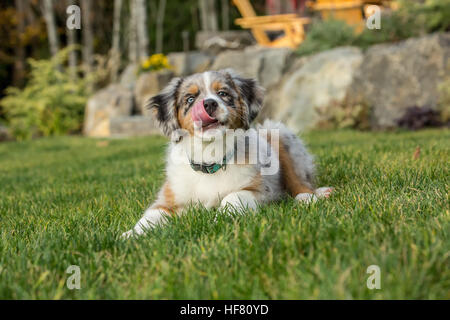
(434, 15)
(395, 26)
(412, 19)
(348, 113)
(51, 103)
(325, 35)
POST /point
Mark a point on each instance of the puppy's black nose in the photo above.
(210, 106)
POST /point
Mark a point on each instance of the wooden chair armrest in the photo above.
(272, 26)
(277, 17)
(255, 21)
(336, 6)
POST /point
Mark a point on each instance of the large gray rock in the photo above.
(186, 63)
(112, 101)
(128, 126)
(265, 64)
(179, 62)
(148, 85)
(215, 42)
(395, 77)
(129, 76)
(312, 83)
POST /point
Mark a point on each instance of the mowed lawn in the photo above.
(65, 201)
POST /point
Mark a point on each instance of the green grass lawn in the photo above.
(65, 201)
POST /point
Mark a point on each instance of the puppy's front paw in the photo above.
(324, 192)
(306, 197)
(135, 232)
(127, 235)
(151, 218)
(238, 202)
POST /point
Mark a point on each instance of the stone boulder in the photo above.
(214, 42)
(395, 77)
(131, 126)
(112, 101)
(188, 63)
(312, 83)
(148, 85)
(129, 76)
(267, 65)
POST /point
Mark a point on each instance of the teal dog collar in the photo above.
(209, 168)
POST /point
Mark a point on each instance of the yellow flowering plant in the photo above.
(155, 62)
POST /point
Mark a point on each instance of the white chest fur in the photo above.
(208, 189)
(190, 186)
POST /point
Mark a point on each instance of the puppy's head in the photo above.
(217, 100)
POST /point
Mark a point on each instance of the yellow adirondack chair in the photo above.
(291, 24)
(350, 11)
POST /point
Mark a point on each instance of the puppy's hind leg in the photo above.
(292, 183)
(297, 169)
(323, 192)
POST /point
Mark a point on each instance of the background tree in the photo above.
(132, 34)
(141, 15)
(208, 15)
(71, 41)
(19, 62)
(160, 25)
(47, 10)
(225, 14)
(88, 38)
(115, 49)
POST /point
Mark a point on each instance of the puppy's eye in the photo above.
(190, 100)
(222, 93)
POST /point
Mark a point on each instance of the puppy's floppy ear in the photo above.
(165, 105)
(251, 92)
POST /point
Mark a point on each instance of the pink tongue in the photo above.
(199, 114)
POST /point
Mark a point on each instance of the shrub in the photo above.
(434, 15)
(325, 35)
(51, 103)
(412, 19)
(346, 114)
(155, 62)
(416, 118)
(395, 26)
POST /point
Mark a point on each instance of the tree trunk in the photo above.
(88, 38)
(203, 14)
(132, 34)
(141, 12)
(71, 40)
(51, 26)
(225, 15)
(115, 50)
(208, 15)
(19, 61)
(185, 37)
(160, 26)
(212, 15)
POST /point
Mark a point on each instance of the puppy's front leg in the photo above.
(240, 200)
(156, 214)
(151, 218)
